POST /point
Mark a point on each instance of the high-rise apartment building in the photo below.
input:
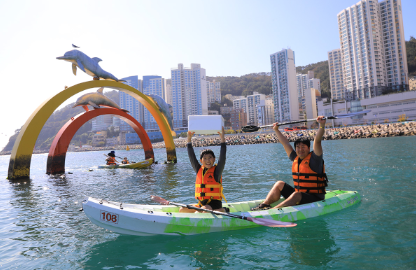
(336, 80)
(189, 93)
(394, 44)
(285, 95)
(152, 85)
(213, 92)
(252, 102)
(131, 104)
(372, 48)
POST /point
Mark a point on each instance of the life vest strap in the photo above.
(310, 174)
(203, 194)
(208, 186)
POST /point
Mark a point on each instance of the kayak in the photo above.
(138, 165)
(146, 220)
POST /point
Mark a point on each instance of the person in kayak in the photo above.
(111, 159)
(308, 172)
(208, 184)
(125, 161)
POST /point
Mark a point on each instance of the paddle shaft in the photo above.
(300, 121)
(211, 211)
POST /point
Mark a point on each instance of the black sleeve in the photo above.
(293, 155)
(221, 163)
(316, 163)
(192, 158)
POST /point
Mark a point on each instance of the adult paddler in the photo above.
(308, 172)
(208, 183)
(111, 159)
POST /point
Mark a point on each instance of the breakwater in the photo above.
(353, 132)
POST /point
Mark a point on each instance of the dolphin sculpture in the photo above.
(164, 108)
(96, 99)
(88, 65)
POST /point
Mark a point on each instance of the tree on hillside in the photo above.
(411, 56)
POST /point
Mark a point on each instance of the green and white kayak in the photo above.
(144, 220)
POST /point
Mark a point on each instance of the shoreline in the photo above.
(340, 133)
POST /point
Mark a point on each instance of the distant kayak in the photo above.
(137, 165)
(145, 220)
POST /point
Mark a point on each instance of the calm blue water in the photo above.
(41, 226)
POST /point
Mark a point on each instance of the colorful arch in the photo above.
(59, 147)
(20, 158)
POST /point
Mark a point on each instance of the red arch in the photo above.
(59, 147)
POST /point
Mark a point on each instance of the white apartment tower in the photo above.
(372, 48)
(335, 74)
(213, 92)
(394, 43)
(188, 93)
(285, 96)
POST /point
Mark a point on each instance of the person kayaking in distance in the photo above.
(125, 161)
(208, 184)
(111, 159)
(308, 172)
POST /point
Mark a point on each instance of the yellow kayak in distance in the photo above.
(138, 165)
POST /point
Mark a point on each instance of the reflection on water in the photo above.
(41, 226)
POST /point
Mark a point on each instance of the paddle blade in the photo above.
(159, 200)
(250, 128)
(271, 222)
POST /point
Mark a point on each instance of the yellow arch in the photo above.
(19, 166)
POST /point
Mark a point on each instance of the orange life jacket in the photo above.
(206, 187)
(305, 179)
(111, 161)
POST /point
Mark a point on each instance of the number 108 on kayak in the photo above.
(109, 217)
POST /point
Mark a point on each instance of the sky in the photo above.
(150, 37)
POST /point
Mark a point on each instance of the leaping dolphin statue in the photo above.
(96, 99)
(88, 65)
(164, 109)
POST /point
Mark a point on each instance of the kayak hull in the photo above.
(146, 220)
(138, 165)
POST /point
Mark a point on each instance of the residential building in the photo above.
(101, 122)
(285, 96)
(99, 139)
(252, 102)
(189, 93)
(240, 104)
(373, 52)
(265, 111)
(336, 78)
(213, 92)
(238, 119)
(131, 104)
(152, 85)
(412, 84)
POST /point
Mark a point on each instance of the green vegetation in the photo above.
(244, 85)
(411, 56)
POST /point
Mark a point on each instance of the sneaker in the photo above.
(261, 206)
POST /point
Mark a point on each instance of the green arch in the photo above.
(19, 166)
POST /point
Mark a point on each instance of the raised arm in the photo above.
(191, 154)
(283, 140)
(317, 146)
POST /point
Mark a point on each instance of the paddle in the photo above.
(259, 221)
(255, 128)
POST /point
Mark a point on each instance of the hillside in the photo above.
(244, 85)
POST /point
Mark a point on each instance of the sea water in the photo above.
(41, 226)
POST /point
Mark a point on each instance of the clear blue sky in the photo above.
(227, 37)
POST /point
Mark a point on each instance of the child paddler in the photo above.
(208, 184)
